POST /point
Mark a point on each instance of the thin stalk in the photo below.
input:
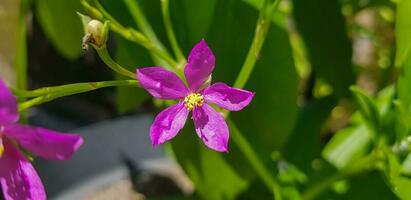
(21, 47)
(21, 51)
(128, 33)
(141, 21)
(105, 56)
(263, 25)
(47, 94)
(254, 160)
(261, 30)
(104, 12)
(165, 8)
(137, 37)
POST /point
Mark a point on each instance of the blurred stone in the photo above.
(9, 12)
(113, 150)
(121, 190)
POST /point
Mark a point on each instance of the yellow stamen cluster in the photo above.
(193, 99)
(1, 141)
(1, 149)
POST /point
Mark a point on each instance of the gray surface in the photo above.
(106, 144)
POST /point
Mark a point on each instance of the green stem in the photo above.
(363, 165)
(128, 33)
(104, 12)
(139, 18)
(105, 56)
(262, 27)
(47, 94)
(263, 24)
(21, 51)
(254, 160)
(261, 30)
(142, 22)
(165, 8)
(139, 38)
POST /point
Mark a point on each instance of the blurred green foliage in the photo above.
(318, 138)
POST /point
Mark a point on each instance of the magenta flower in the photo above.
(209, 124)
(18, 178)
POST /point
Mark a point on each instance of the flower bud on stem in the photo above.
(96, 36)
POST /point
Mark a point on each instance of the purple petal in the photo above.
(168, 123)
(200, 64)
(161, 83)
(211, 128)
(8, 105)
(43, 142)
(227, 97)
(18, 178)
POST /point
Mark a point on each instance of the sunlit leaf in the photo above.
(400, 184)
(367, 108)
(347, 145)
(403, 31)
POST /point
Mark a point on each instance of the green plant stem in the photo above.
(21, 47)
(263, 25)
(363, 165)
(128, 33)
(47, 94)
(135, 36)
(104, 12)
(262, 28)
(165, 8)
(141, 21)
(21, 51)
(105, 56)
(254, 160)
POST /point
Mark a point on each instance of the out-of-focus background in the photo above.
(303, 123)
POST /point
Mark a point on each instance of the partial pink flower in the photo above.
(209, 124)
(18, 178)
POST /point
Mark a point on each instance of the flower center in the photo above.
(1, 141)
(193, 99)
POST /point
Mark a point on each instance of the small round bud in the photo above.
(96, 30)
(96, 34)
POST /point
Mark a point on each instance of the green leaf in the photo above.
(404, 85)
(406, 165)
(61, 25)
(351, 143)
(347, 145)
(367, 108)
(400, 184)
(403, 103)
(84, 21)
(322, 26)
(268, 120)
(403, 31)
